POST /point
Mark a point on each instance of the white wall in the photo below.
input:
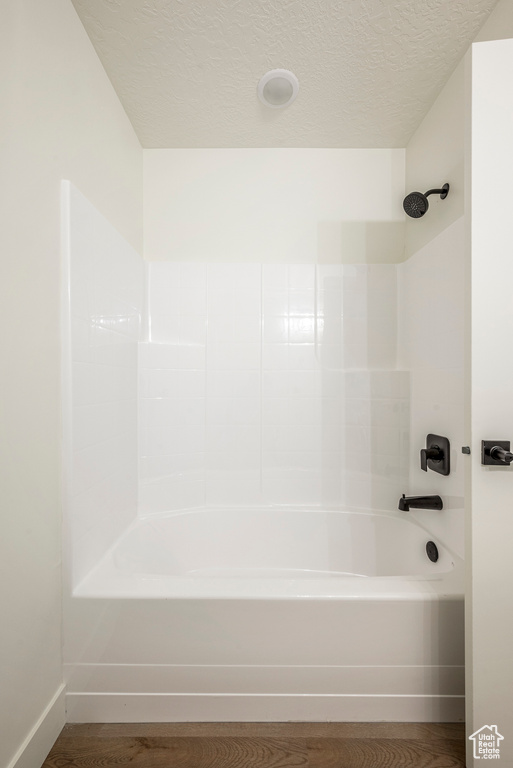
(104, 288)
(439, 249)
(434, 156)
(431, 305)
(433, 308)
(489, 623)
(60, 119)
(436, 152)
(274, 205)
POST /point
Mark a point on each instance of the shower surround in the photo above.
(271, 384)
(239, 389)
(103, 279)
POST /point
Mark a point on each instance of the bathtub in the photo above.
(268, 614)
(274, 553)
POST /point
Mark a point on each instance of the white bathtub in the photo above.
(274, 553)
(270, 614)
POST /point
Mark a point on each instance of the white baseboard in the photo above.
(194, 693)
(164, 707)
(40, 740)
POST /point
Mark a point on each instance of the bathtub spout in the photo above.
(420, 502)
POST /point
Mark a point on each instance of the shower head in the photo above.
(416, 204)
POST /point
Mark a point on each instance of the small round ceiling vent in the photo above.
(278, 88)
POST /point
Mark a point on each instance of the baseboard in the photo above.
(217, 693)
(164, 707)
(40, 740)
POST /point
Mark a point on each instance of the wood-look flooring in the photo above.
(260, 745)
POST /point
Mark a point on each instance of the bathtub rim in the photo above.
(106, 581)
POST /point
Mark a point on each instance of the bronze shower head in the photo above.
(416, 204)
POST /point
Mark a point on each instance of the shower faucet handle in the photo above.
(496, 453)
(436, 455)
(501, 454)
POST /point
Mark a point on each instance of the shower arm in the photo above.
(435, 192)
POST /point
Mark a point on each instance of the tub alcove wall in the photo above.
(251, 364)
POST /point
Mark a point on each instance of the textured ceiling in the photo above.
(187, 72)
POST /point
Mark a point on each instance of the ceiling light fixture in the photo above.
(278, 88)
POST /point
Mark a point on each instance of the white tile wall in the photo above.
(375, 438)
(259, 381)
(105, 300)
(171, 423)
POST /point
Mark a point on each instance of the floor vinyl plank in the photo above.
(178, 752)
(385, 753)
(422, 731)
(259, 745)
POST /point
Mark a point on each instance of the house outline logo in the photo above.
(486, 743)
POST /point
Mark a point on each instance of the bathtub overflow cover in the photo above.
(432, 551)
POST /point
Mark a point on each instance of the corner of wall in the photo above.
(433, 275)
(499, 25)
(434, 156)
(42, 735)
